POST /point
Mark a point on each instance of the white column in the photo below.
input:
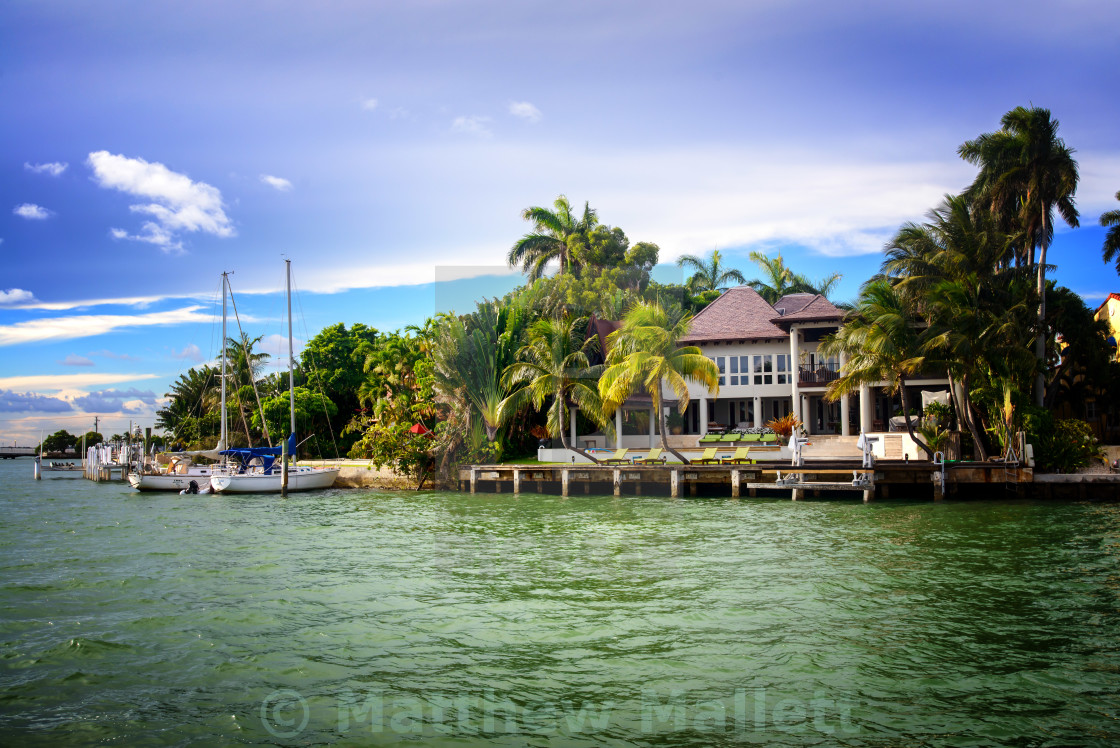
(572, 413)
(866, 413)
(794, 364)
(758, 418)
(618, 428)
(703, 416)
(652, 415)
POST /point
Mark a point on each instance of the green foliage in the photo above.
(59, 441)
(92, 438)
(1060, 445)
(332, 363)
(277, 413)
(645, 353)
(1111, 249)
(709, 274)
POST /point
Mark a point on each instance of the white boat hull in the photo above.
(300, 479)
(166, 482)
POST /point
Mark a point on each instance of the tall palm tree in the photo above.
(553, 235)
(646, 353)
(553, 366)
(1026, 171)
(711, 274)
(883, 342)
(192, 395)
(244, 369)
(1111, 247)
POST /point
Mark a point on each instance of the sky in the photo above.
(385, 146)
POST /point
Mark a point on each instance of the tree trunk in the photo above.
(564, 434)
(1040, 341)
(906, 416)
(664, 424)
(964, 413)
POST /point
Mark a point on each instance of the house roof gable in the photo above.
(739, 314)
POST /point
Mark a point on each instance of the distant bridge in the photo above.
(10, 452)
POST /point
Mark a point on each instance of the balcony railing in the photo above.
(820, 374)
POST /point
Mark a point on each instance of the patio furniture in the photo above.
(710, 438)
(751, 437)
(619, 457)
(709, 457)
(653, 458)
(769, 439)
(739, 458)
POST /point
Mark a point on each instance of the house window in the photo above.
(763, 369)
(721, 362)
(783, 367)
(734, 370)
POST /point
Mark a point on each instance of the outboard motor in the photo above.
(191, 488)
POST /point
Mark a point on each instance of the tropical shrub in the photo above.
(1060, 445)
(785, 426)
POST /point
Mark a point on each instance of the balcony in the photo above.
(819, 375)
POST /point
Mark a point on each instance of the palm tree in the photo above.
(192, 396)
(883, 342)
(1026, 171)
(553, 365)
(1112, 238)
(245, 369)
(645, 353)
(554, 233)
(779, 280)
(711, 274)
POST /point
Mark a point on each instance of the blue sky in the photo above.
(150, 146)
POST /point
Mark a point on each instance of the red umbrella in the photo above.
(419, 428)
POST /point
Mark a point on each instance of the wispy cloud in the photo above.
(16, 296)
(22, 402)
(55, 382)
(87, 325)
(74, 359)
(54, 169)
(473, 125)
(113, 401)
(104, 353)
(190, 352)
(369, 104)
(178, 204)
(278, 182)
(526, 111)
(32, 212)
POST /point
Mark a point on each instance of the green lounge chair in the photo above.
(653, 458)
(769, 439)
(729, 438)
(739, 458)
(619, 457)
(710, 438)
(751, 437)
(709, 457)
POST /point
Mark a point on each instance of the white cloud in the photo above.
(87, 325)
(525, 111)
(53, 169)
(472, 125)
(277, 347)
(74, 359)
(369, 104)
(31, 211)
(57, 382)
(16, 296)
(179, 204)
(190, 352)
(278, 182)
(325, 280)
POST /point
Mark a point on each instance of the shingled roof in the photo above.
(819, 309)
(793, 302)
(739, 314)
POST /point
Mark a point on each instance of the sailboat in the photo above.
(181, 473)
(259, 472)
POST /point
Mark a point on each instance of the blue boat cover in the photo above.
(268, 455)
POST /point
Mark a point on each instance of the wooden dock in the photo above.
(839, 478)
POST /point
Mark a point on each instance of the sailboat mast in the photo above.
(291, 368)
(222, 442)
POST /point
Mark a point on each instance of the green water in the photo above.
(363, 617)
